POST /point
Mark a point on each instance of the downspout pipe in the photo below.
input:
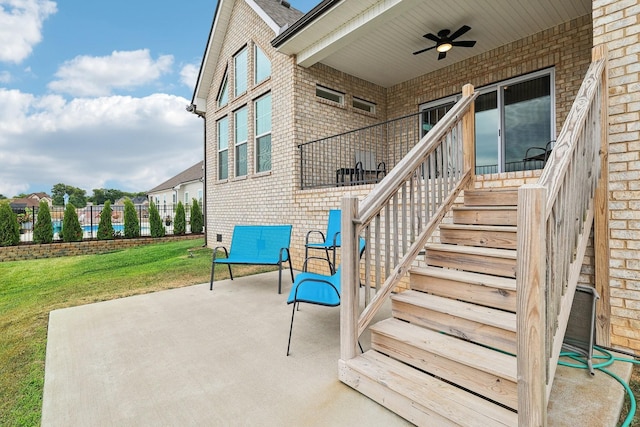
(192, 109)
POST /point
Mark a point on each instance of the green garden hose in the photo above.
(608, 360)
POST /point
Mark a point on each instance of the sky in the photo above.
(93, 94)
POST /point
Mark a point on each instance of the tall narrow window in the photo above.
(240, 72)
(223, 148)
(200, 198)
(186, 198)
(223, 95)
(263, 133)
(262, 66)
(240, 140)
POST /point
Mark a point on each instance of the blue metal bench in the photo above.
(259, 245)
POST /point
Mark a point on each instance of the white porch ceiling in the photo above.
(375, 39)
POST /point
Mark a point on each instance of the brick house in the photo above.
(274, 81)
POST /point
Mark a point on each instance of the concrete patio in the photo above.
(191, 357)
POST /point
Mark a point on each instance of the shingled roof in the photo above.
(280, 11)
(194, 173)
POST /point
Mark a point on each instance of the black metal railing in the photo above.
(89, 218)
(366, 155)
(360, 156)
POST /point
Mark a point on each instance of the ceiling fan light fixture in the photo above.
(444, 47)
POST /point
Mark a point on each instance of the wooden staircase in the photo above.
(447, 357)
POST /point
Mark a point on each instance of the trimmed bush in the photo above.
(197, 221)
(131, 225)
(155, 222)
(71, 229)
(9, 227)
(43, 228)
(105, 228)
(180, 221)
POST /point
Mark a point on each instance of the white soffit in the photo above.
(374, 40)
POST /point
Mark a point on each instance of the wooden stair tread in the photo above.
(463, 352)
(492, 196)
(485, 208)
(430, 401)
(471, 227)
(485, 315)
(473, 250)
(468, 277)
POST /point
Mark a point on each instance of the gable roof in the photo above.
(277, 14)
(194, 173)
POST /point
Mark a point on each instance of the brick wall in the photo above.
(86, 247)
(616, 23)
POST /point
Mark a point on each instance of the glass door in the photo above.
(527, 121)
(487, 133)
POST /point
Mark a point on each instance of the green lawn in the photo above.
(29, 290)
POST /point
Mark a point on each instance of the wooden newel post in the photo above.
(469, 135)
(531, 306)
(349, 280)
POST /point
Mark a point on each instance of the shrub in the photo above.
(43, 228)
(9, 227)
(155, 222)
(105, 228)
(131, 225)
(197, 221)
(180, 222)
(71, 229)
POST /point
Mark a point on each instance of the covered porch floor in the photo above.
(191, 357)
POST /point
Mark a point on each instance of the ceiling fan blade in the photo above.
(442, 55)
(423, 50)
(432, 37)
(460, 32)
(465, 43)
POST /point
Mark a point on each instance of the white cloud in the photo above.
(128, 143)
(100, 75)
(21, 27)
(189, 75)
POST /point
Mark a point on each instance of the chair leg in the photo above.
(293, 312)
(213, 268)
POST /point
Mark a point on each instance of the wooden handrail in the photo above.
(400, 214)
(555, 217)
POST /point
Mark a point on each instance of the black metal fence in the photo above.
(89, 218)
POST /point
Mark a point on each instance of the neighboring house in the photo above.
(31, 201)
(183, 187)
(275, 86)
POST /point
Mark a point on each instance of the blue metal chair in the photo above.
(330, 240)
(314, 288)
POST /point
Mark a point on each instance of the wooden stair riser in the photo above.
(497, 197)
(481, 237)
(470, 330)
(487, 385)
(485, 216)
(417, 397)
(497, 266)
(503, 299)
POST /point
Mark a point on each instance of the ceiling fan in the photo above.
(444, 41)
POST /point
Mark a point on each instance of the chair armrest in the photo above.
(329, 263)
(306, 239)
(215, 252)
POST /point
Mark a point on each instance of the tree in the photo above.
(180, 222)
(43, 228)
(71, 229)
(197, 221)
(155, 222)
(77, 196)
(9, 227)
(2, 197)
(105, 228)
(131, 225)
